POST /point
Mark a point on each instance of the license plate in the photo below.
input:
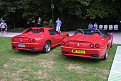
(21, 45)
(78, 51)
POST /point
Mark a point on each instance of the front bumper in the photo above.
(89, 53)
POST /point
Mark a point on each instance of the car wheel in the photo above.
(47, 47)
(112, 43)
(106, 54)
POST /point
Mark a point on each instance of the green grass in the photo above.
(18, 65)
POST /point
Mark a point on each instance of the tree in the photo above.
(22, 11)
(19, 12)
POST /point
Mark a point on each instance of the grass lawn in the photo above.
(18, 65)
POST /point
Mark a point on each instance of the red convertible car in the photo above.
(90, 43)
(38, 39)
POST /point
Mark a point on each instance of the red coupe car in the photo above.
(37, 39)
(91, 43)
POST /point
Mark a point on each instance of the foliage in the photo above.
(104, 9)
(18, 13)
(20, 29)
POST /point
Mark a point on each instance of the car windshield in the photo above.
(86, 32)
(104, 33)
(35, 30)
(92, 31)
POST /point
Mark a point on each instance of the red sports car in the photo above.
(91, 43)
(37, 39)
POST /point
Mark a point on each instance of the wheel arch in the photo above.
(49, 41)
(44, 46)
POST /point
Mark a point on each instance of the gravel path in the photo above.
(116, 39)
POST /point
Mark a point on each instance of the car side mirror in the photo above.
(111, 33)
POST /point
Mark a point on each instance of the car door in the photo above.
(56, 38)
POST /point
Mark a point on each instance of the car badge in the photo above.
(20, 39)
(42, 35)
(102, 39)
(78, 44)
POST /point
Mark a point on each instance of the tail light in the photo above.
(33, 40)
(63, 43)
(66, 43)
(92, 45)
(29, 40)
(97, 45)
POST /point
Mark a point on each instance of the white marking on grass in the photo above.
(115, 73)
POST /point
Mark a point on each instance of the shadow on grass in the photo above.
(82, 59)
(26, 52)
(32, 53)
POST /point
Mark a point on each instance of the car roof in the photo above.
(41, 27)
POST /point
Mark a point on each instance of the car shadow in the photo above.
(82, 59)
(26, 52)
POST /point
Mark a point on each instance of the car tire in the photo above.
(47, 47)
(112, 43)
(106, 54)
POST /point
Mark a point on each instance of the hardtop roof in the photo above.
(40, 28)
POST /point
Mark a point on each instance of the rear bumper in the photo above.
(28, 46)
(89, 53)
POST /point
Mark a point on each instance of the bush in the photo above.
(16, 29)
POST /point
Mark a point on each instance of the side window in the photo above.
(104, 34)
(35, 30)
(96, 31)
(41, 30)
(53, 32)
(78, 31)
